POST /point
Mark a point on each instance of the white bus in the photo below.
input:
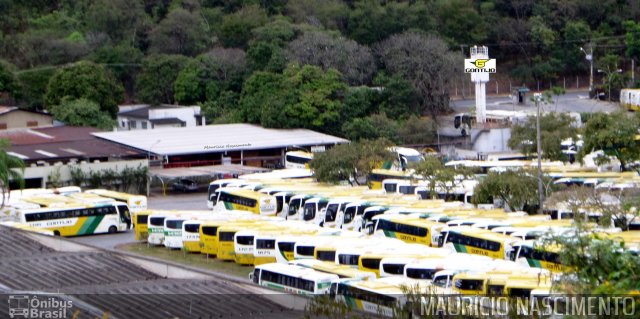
(293, 279)
(80, 220)
(314, 210)
(155, 225)
(173, 232)
(297, 159)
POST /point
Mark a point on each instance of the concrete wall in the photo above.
(489, 141)
(19, 119)
(65, 172)
(186, 114)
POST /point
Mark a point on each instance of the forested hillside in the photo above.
(351, 68)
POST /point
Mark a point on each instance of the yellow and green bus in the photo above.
(478, 241)
(408, 229)
(80, 220)
(247, 200)
(378, 175)
(536, 255)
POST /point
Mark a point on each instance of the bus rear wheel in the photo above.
(113, 230)
(56, 233)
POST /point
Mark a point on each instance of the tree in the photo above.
(33, 83)
(460, 22)
(517, 189)
(123, 61)
(398, 97)
(632, 39)
(426, 62)
(350, 162)
(82, 112)
(441, 178)
(235, 31)
(85, 80)
(614, 134)
(180, 33)
(210, 74)
(354, 61)
(121, 20)
(302, 97)
(157, 77)
(417, 130)
(554, 129)
(601, 265)
(11, 169)
(8, 82)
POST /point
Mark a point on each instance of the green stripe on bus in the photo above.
(460, 248)
(534, 263)
(90, 225)
(389, 233)
(228, 206)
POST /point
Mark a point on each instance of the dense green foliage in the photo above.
(82, 112)
(554, 128)
(351, 162)
(11, 170)
(517, 189)
(210, 53)
(615, 135)
(85, 80)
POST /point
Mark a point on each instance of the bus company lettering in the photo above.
(224, 146)
(39, 306)
(262, 252)
(477, 251)
(56, 223)
(245, 249)
(407, 238)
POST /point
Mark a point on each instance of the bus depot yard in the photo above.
(363, 246)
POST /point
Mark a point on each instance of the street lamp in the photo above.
(149, 166)
(589, 57)
(608, 74)
(538, 97)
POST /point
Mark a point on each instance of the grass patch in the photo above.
(195, 260)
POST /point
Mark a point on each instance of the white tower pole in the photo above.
(480, 79)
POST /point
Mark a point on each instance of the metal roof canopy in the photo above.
(204, 171)
(216, 138)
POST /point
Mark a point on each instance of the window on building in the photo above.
(123, 124)
(144, 125)
(133, 124)
(32, 123)
(3, 126)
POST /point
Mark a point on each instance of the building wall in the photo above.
(22, 119)
(126, 124)
(44, 172)
(186, 114)
(493, 140)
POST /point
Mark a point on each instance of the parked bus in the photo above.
(80, 220)
(477, 241)
(630, 99)
(292, 279)
(343, 272)
(173, 231)
(314, 210)
(242, 199)
(155, 225)
(140, 224)
(212, 196)
(191, 236)
(530, 254)
(378, 175)
(409, 229)
(378, 297)
(297, 159)
(136, 203)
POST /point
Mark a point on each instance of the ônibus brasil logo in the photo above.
(25, 306)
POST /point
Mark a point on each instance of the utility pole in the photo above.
(537, 97)
(589, 57)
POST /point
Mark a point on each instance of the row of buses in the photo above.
(68, 211)
(364, 246)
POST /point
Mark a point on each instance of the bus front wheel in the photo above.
(113, 230)
(56, 233)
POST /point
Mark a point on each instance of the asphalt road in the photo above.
(572, 101)
(177, 201)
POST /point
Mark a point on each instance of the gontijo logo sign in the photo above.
(479, 65)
